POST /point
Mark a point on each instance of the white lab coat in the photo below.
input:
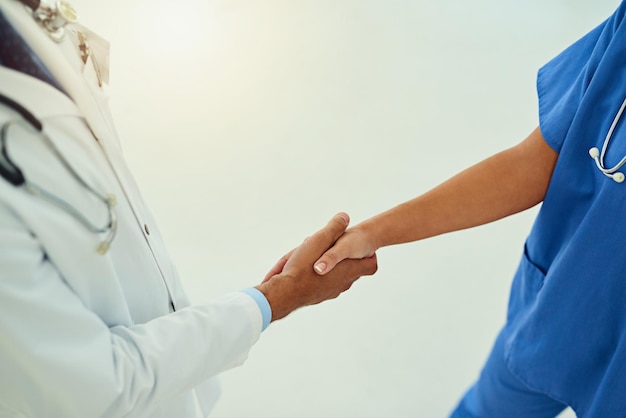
(81, 334)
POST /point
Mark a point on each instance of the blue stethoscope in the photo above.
(598, 156)
(14, 175)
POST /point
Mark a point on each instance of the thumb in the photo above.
(323, 239)
(331, 258)
(353, 244)
(316, 244)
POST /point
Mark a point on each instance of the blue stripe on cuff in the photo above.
(261, 301)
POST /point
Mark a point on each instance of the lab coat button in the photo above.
(145, 228)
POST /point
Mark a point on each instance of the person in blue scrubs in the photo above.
(564, 341)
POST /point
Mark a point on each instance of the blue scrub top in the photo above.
(566, 325)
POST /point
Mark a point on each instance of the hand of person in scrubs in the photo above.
(297, 284)
(501, 185)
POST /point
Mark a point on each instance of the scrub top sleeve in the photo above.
(563, 82)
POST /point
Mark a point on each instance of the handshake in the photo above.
(325, 265)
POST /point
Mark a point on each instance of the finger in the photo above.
(332, 257)
(365, 266)
(349, 271)
(278, 267)
(327, 236)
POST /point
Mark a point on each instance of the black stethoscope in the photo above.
(598, 156)
(14, 175)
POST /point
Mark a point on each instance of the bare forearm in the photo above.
(506, 183)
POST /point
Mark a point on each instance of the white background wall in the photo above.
(249, 123)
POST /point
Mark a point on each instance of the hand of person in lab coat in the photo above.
(295, 284)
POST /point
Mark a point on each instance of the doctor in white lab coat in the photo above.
(84, 334)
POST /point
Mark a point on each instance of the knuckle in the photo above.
(332, 257)
(372, 264)
(366, 267)
(374, 269)
(340, 220)
(337, 225)
(323, 235)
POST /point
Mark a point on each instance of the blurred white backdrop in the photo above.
(249, 123)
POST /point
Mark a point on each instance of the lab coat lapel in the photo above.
(78, 81)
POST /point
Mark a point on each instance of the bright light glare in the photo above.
(168, 30)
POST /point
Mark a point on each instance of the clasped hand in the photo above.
(293, 282)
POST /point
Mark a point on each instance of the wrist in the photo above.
(262, 303)
(370, 233)
(282, 302)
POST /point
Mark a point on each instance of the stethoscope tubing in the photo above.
(598, 156)
(12, 173)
